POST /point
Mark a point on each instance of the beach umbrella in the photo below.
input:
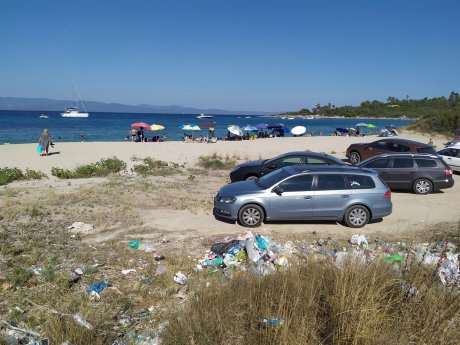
(361, 124)
(249, 128)
(341, 130)
(275, 125)
(190, 127)
(140, 124)
(298, 130)
(155, 127)
(261, 126)
(370, 125)
(235, 130)
(208, 125)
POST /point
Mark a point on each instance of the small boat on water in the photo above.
(203, 116)
(43, 116)
(73, 111)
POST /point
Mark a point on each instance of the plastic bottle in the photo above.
(81, 320)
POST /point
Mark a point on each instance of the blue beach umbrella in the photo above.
(275, 125)
(249, 128)
(261, 126)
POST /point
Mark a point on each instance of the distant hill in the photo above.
(46, 104)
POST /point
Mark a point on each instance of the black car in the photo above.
(254, 169)
(421, 173)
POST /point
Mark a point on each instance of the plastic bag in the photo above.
(39, 148)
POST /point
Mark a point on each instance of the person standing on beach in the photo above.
(133, 134)
(44, 141)
(140, 134)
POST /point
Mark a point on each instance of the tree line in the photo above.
(439, 114)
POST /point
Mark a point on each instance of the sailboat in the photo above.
(73, 111)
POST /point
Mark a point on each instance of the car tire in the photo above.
(355, 157)
(251, 178)
(251, 215)
(422, 186)
(357, 216)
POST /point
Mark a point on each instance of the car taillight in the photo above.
(448, 171)
(387, 195)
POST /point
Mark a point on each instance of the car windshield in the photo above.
(272, 178)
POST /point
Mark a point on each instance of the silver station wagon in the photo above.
(348, 194)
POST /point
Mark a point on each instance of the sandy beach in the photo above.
(69, 155)
(162, 208)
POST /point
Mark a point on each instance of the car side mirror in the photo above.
(278, 190)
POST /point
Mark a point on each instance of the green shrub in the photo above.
(155, 167)
(215, 162)
(102, 168)
(8, 175)
(62, 173)
(34, 175)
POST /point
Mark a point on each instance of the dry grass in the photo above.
(320, 304)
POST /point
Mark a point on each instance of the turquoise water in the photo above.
(26, 126)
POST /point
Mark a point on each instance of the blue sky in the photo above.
(262, 55)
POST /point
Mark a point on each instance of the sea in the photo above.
(26, 126)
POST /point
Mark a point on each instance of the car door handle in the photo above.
(307, 197)
(344, 196)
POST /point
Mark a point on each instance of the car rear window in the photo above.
(330, 182)
(360, 182)
(401, 163)
(426, 149)
(426, 163)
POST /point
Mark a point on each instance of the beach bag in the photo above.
(39, 148)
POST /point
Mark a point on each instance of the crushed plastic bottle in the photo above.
(272, 322)
(81, 320)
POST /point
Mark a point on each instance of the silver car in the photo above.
(351, 194)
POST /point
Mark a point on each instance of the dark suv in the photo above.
(422, 173)
(358, 152)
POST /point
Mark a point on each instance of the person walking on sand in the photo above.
(44, 141)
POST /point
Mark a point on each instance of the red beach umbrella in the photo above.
(140, 124)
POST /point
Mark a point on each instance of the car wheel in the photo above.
(251, 215)
(357, 216)
(251, 178)
(355, 157)
(423, 186)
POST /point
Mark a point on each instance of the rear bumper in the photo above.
(380, 212)
(443, 184)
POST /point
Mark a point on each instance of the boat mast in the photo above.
(79, 97)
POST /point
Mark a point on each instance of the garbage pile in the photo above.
(265, 256)
(262, 252)
(441, 255)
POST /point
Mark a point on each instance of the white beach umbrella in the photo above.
(298, 130)
(235, 130)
